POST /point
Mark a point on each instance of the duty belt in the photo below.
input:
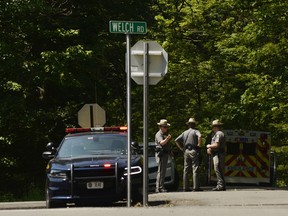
(191, 147)
(218, 151)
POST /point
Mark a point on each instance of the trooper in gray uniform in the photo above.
(162, 138)
(190, 142)
(217, 150)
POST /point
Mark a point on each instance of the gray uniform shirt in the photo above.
(159, 136)
(189, 136)
(219, 137)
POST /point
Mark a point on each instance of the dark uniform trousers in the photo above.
(191, 163)
(219, 163)
(161, 173)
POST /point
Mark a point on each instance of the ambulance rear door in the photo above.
(241, 159)
(263, 156)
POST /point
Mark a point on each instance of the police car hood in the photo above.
(97, 160)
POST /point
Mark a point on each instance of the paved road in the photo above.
(256, 202)
(233, 197)
(195, 211)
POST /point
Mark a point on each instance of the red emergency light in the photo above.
(107, 165)
(96, 129)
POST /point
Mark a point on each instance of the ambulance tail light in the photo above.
(263, 138)
(96, 129)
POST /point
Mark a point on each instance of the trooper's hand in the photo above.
(168, 137)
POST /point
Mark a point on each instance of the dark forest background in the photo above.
(228, 59)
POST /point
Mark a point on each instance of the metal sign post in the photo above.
(128, 84)
(146, 73)
(128, 27)
(145, 122)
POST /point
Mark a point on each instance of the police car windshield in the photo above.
(95, 144)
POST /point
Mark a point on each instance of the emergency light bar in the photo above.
(95, 129)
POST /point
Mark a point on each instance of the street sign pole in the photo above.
(145, 122)
(149, 62)
(127, 28)
(128, 83)
(91, 116)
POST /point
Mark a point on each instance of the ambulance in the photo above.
(248, 158)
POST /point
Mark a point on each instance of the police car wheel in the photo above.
(51, 204)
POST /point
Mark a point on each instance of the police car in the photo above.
(90, 166)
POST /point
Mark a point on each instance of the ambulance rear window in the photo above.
(249, 148)
(233, 148)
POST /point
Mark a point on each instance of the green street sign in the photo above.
(128, 27)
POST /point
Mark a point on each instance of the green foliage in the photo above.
(34, 193)
(282, 167)
(55, 56)
(227, 60)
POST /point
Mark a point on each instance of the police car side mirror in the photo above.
(51, 146)
(134, 145)
(48, 155)
(51, 150)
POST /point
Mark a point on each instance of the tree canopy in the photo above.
(227, 60)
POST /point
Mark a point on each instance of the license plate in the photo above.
(95, 185)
